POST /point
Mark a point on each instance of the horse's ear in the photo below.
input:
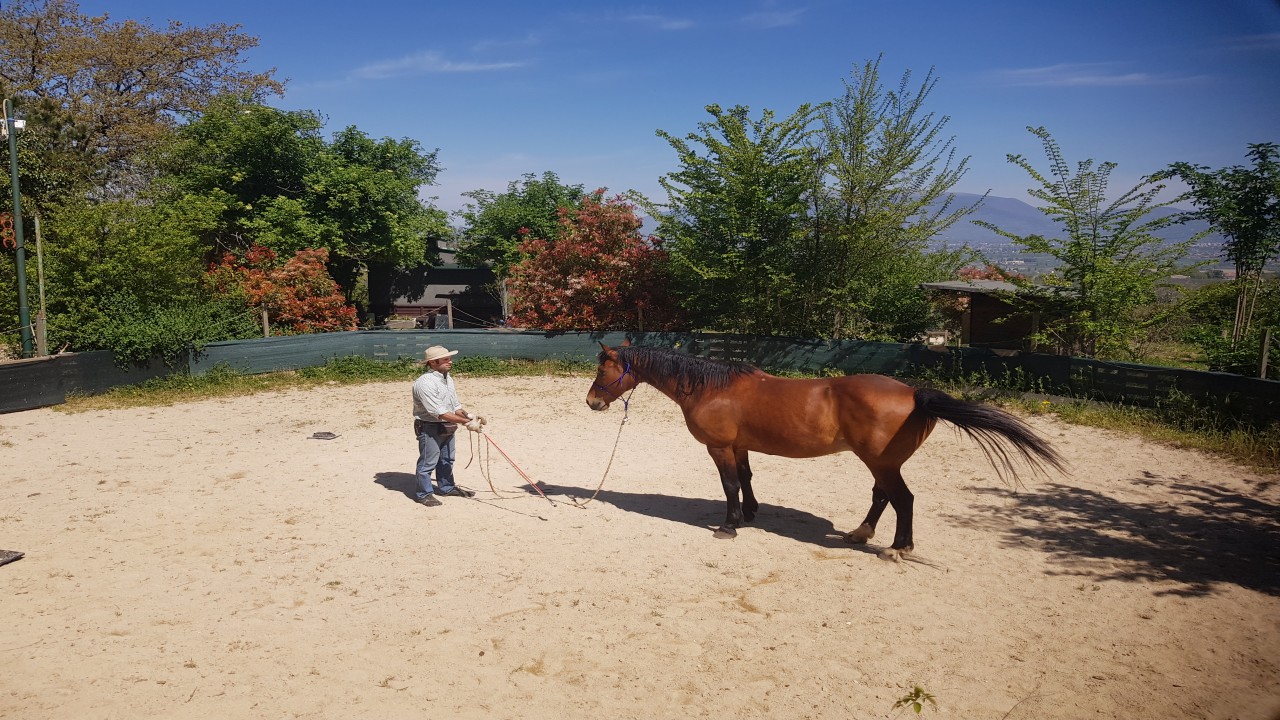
(604, 347)
(625, 343)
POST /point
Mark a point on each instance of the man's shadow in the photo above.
(401, 482)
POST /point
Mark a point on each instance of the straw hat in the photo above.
(435, 352)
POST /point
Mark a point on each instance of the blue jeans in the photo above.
(435, 452)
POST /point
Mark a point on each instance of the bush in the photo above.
(137, 333)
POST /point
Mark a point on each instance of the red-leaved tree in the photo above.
(299, 295)
(600, 273)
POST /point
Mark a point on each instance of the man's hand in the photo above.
(475, 424)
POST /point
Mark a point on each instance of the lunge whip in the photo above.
(523, 474)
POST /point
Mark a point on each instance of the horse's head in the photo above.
(613, 378)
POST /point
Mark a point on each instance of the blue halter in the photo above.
(626, 370)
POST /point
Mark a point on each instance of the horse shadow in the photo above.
(401, 482)
(1212, 536)
(708, 514)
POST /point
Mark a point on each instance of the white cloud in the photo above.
(423, 63)
(529, 40)
(661, 22)
(1087, 75)
(773, 18)
(1264, 41)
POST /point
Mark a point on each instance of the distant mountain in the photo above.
(1022, 218)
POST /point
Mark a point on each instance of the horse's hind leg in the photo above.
(867, 530)
(727, 463)
(903, 502)
(749, 504)
(890, 489)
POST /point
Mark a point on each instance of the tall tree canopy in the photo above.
(886, 173)
(267, 177)
(1244, 205)
(1112, 258)
(734, 212)
(497, 223)
(818, 224)
(113, 88)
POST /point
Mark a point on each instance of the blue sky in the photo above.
(507, 88)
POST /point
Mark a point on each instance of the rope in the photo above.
(626, 409)
(20, 327)
(580, 504)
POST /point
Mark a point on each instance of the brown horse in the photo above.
(734, 409)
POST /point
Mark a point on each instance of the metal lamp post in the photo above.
(24, 313)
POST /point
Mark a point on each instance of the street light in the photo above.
(11, 127)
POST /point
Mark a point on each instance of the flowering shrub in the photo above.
(600, 273)
(299, 294)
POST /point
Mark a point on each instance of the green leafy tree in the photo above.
(250, 165)
(369, 190)
(267, 177)
(886, 172)
(126, 277)
(1112, 259)
(1206, 320)
(497, 223)
(818, 224)
(597, 273)
(118, 87)
(735, 210)
(1244, 205)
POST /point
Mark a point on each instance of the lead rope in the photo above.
(487, 473)
(626, 409)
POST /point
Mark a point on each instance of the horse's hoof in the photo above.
(726, 533)
(895, 554)
(860, 536)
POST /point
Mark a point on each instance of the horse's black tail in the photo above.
(993, 429)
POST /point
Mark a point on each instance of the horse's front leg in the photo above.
(727, 464)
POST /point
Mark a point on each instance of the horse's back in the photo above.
(804, 417)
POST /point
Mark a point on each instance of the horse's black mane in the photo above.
(691, 373)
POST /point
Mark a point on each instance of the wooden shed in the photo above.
(989, 319)
(462, 295)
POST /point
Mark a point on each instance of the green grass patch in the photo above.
(1177, 421)
(222, 381)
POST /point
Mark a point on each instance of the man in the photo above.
(437, 413)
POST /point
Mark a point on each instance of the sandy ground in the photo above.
(211, 560)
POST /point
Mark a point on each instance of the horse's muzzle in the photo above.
(596, 403)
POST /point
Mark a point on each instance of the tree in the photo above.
(492, 233)
(1207, 318)
(1244, 205)
(819, 224)
(298, 294)
(597, 273)
(126, 277)
(886, 173)
(734, 211)
(369, 189)
(268, 178)
(1112, 259)
(250, 163)
(119, 87)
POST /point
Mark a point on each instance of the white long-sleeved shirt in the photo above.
(434, 394)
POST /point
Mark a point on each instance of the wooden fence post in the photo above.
(1266, 351)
